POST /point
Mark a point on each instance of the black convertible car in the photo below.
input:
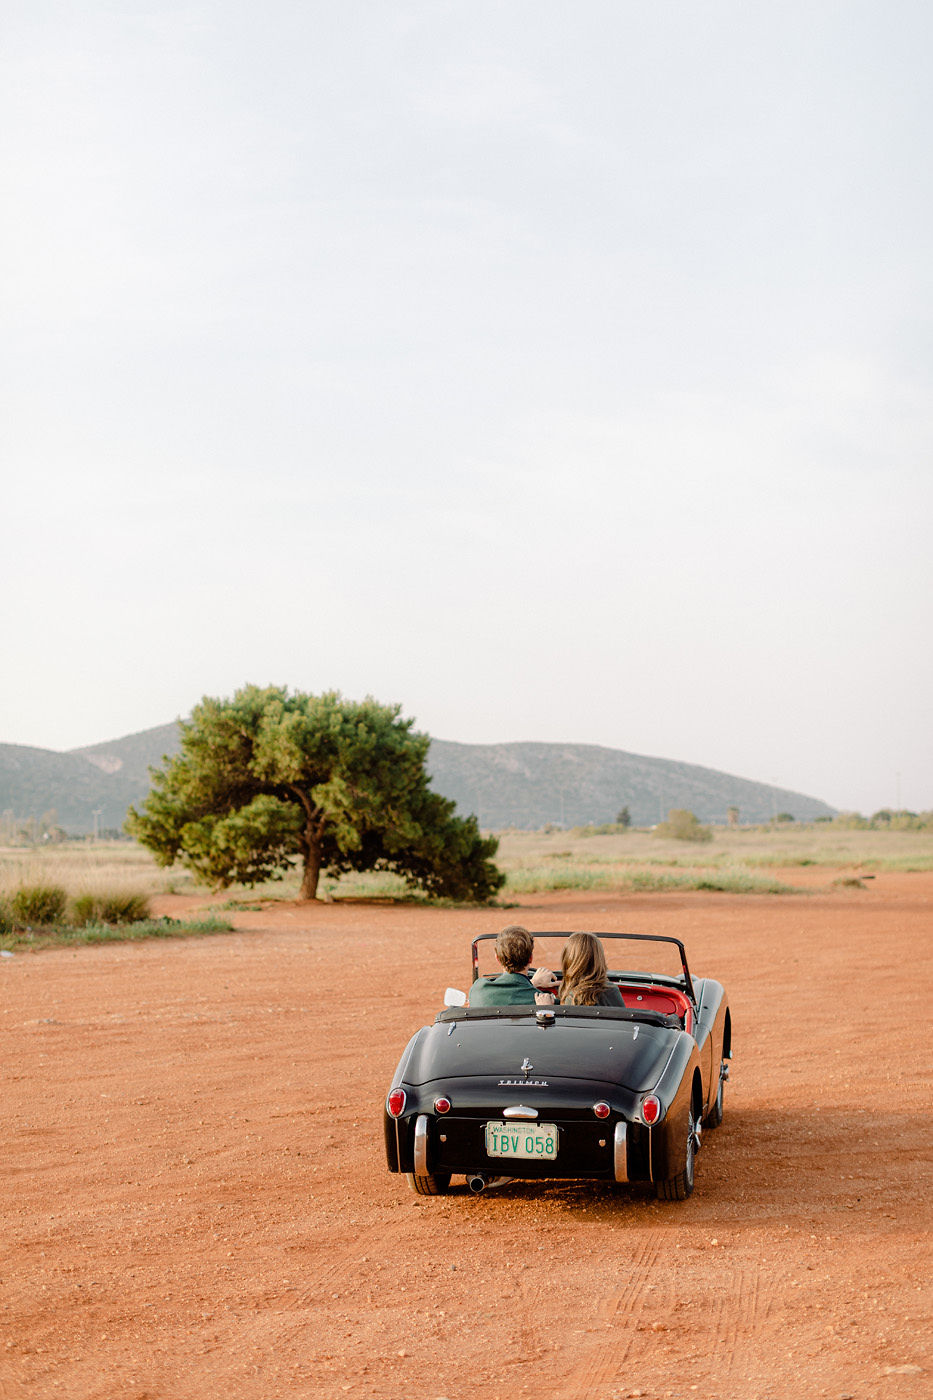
(501, 1092)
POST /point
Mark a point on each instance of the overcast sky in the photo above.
(557, 371)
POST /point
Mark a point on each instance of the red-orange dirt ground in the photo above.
(196, 1205)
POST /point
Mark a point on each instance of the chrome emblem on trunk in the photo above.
(524, 1082)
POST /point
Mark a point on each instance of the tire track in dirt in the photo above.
(757, 1308)
(737, 1314)
(623, 1309)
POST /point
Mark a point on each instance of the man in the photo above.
(516, 984)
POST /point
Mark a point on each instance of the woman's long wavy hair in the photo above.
(583, 964)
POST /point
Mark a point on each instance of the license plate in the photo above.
(537, 1141)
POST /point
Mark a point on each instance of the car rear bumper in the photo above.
(609, 1150)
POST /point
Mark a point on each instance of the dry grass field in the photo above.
(741, 860)
(88, 867)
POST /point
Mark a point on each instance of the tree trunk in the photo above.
(312, 871)
(310, 843)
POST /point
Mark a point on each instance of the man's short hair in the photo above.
(514, 947)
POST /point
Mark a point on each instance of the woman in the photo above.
(585, 980)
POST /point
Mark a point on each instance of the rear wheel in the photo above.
(680, 1186)
(437, 1185)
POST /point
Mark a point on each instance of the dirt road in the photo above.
(195, 1201)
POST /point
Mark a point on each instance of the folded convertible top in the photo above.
(547, 1014)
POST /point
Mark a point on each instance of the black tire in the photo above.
(714, 1117)
(437, 1185)
(680, 1186)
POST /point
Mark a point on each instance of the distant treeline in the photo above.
(45, 830)
(30, 831)
(886, 819)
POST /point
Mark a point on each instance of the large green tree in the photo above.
(269, 776)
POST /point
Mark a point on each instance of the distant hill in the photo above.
(103, 779)
(520, 785)
(529, 785)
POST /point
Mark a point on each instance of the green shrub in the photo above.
(83, 910)
(6, 917)
(116, 907)
(682, 825)
(124, 908)
(39, 904)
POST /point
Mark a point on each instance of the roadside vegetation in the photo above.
(42, 914)
(780, 858)
(733, 859)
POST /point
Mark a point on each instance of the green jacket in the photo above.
(505, 989)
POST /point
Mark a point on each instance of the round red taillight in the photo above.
(442, 1105)
(395, 1103)
(601, 1109)
(651, 1109)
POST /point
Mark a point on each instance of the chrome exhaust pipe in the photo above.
(478, 1182)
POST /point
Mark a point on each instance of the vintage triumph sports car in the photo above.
(567, 1091)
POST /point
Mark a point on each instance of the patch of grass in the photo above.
(777, 859)
(905, 864)
(368, 884)
(38, 904)
(540, 878)
(643, 879)
(89, 865)
(741, 882)
(787, 861)
(19, 940)
(117, 907)
(729, 881)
